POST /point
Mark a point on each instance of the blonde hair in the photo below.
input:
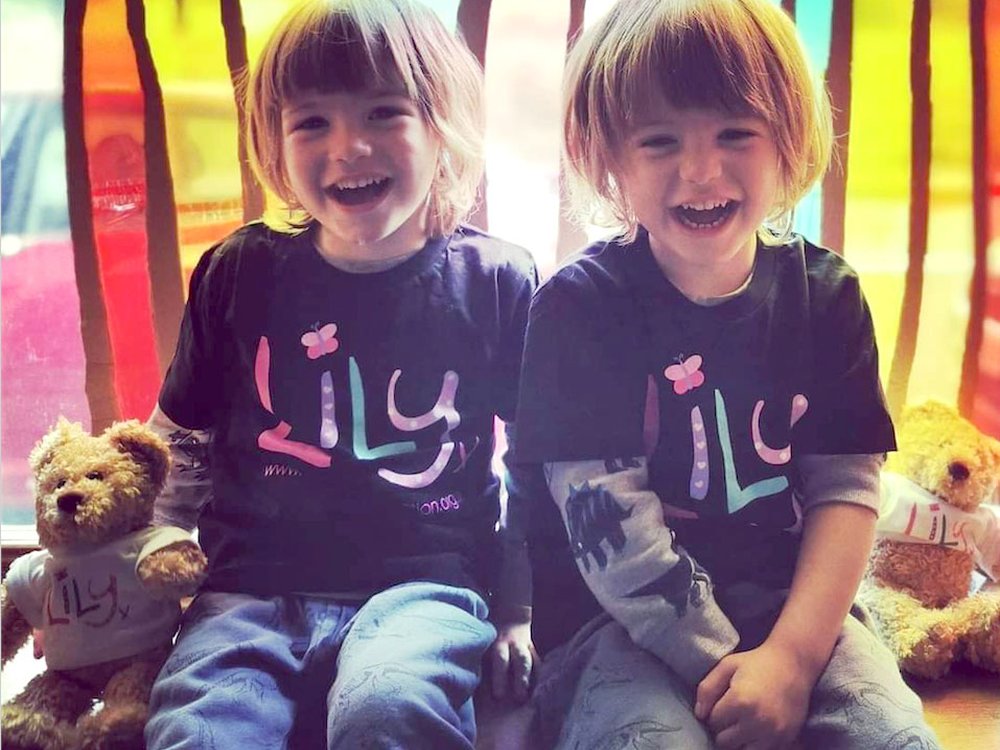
(740, 56)
(353, 45)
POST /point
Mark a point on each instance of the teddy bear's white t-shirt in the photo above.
(90, 602)
(909, 513)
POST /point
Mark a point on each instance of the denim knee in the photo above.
(409, 713)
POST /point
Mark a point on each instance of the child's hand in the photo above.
(756, 699)
(513, 658)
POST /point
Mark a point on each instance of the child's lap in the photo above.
(862, 701)
(601, 685)
(231, 631)
(234, 673)
(602, 688)
(245, 660)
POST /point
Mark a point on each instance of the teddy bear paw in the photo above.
(173, 572)
(982, 648)
(26, 729)
(932, 653)
(114, 728)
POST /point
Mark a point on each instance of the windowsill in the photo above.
(18, 535)
(15, 540)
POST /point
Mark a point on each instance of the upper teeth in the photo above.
(357, 182)
(705, 206)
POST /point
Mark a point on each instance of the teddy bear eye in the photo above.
(95, 475)
(60, 484)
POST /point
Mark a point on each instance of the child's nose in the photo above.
(349, 143)
(700, 165)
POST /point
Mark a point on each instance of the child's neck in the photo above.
(719, 299)
(709, 289)
(710, 282)
(363, 257)
(366, 265)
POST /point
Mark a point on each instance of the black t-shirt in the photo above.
(618, 364)
(352, 415)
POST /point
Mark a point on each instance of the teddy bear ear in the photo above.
(45, 450)
(995, 448)
(927, 410)
(145, 446)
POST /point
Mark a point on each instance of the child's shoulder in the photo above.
(823, 266)
(489, 252)
(598, 270)
(251, 247)
(253, 237)
(832, 283)
(254, 241)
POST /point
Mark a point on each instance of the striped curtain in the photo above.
(156, 172)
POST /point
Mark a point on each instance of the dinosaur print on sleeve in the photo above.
(638, 574)
(685, 583)
(593, 516)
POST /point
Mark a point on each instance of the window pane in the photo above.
(41, 351)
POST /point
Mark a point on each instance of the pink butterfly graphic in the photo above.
(320, 341)
(686, 375)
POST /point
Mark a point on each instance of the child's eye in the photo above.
(658, 141)
(736, 135)
(314, 122)
(386, 113)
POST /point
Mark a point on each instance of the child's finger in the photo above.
(522, 665)
(500, 663)
(713, 687)
(734, 736)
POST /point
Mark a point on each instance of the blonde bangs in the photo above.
(738, 56)
(336, 46)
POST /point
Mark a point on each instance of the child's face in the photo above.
(361, 163)
(701, 181)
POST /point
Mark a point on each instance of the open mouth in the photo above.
(359, 191)
(705, 215)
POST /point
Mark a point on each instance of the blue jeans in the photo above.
(602, 690)
(306, 672)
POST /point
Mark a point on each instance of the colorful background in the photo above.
(122, 163)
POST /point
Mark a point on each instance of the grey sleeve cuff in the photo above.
(840, 478)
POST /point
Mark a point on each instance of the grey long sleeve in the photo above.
(628, 558)
(188, 485)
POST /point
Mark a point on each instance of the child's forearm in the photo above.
(525, 484)
(512, 598)
(513, 656)
(836, 541)
(627, 557)
(188, 485)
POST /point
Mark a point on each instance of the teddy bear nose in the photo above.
(69, 502)
(958, 471)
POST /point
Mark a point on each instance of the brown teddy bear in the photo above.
(104, 590)
(936, 526)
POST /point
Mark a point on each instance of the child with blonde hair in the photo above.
(331, 407)
(703, 392)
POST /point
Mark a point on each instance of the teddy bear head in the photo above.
(94, 489)
(946, 455)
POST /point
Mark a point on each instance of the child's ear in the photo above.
(135, 439)
(44, 452)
